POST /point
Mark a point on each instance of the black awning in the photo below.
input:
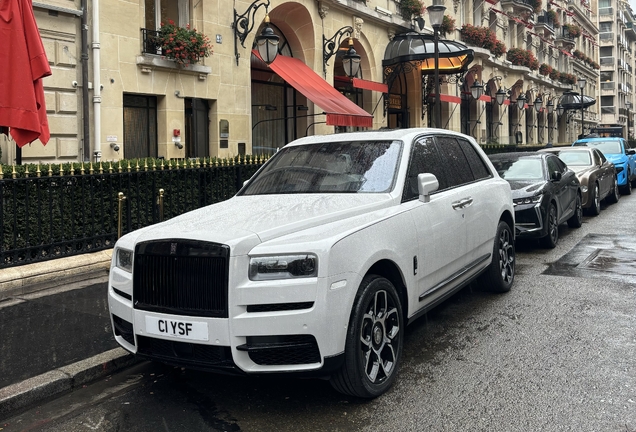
(412, 47)
(572, 101)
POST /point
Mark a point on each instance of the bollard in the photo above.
(120, 203)
(161, 191)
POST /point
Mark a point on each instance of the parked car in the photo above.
(320, 260)
(596, 174)
(617, 152)
(545, 192)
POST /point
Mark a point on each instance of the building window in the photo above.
(158, 11)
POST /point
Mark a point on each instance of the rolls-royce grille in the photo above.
(182, 277)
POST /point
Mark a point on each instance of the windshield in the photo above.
(607, 147)
(338, 167)
(520, 169)
(575, 158)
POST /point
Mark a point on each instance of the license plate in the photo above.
(180, 329)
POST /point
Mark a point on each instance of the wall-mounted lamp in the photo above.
(179, 145)
(538, 104)
(560, 110)
(477, 89)
(501, 95)
(114, 146)
(550, 106)
(351, 61)
(266, 42)
(521, 101)
(330, 46)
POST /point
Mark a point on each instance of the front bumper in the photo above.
(530, 221)
(296, 326)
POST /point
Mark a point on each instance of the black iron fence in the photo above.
(53, 211)
(150, 42)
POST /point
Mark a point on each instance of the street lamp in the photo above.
(436, 15)
(581, 82)
(521, 101)
(560, 110)
(501, 96)
(550, 108)
(266, 42)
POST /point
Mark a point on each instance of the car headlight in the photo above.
(124, 259)
(619, 168)
(528, 200)
(283, 267)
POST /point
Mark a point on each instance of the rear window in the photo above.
(575, 158)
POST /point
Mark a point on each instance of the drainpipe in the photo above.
(97, 98)
(86, 147)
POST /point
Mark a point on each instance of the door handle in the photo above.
(465, 202)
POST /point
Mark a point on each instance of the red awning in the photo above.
(485, 98)
(370, 85)
(340, 110)
(506, 102)
(450, 98)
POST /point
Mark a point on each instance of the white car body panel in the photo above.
(349, 233)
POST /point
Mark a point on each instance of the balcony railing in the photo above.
(606, 11)
(609, 36)
(149, 40)
(545, 20)
(607, 61)
(608, 110)
(608, 85)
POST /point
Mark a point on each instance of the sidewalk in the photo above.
(55, 330)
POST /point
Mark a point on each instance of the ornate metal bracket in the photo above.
(330, 46)
(244, 23)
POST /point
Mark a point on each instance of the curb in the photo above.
(29, 278)
(62, 380)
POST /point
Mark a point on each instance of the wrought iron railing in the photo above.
(55, 211)
(150, 42)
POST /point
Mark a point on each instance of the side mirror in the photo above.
(556, 176)
(426, 183)
(631, 151)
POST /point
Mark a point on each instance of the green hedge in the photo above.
(50, 211)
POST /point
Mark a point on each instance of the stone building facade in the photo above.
(224, 105)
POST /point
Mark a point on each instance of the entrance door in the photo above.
(140, 126)
(197, 128)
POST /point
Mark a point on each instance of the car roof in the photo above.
(382, 134)
(585, 140)
(517, 155)
(568, 149)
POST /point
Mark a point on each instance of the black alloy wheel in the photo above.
(501, 273)
(595, 208)
(374, 340)
(552, 238)
(576, 220)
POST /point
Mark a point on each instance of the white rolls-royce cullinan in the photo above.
(320, 260)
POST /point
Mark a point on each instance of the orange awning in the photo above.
(340, 110)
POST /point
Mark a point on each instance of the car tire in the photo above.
(627, 189)
(576, 220)
(501, 272)
(552, 238)
(595, 208)
(374, 342)
(615, 194)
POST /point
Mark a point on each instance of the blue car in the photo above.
(623, 158)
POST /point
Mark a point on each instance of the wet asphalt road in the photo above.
(557, 353)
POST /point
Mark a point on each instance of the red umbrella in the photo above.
(24, 64)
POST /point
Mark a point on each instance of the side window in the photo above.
(457, 166)
(477, 165)
(424, 159)
(553, 165)
(600, 156)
